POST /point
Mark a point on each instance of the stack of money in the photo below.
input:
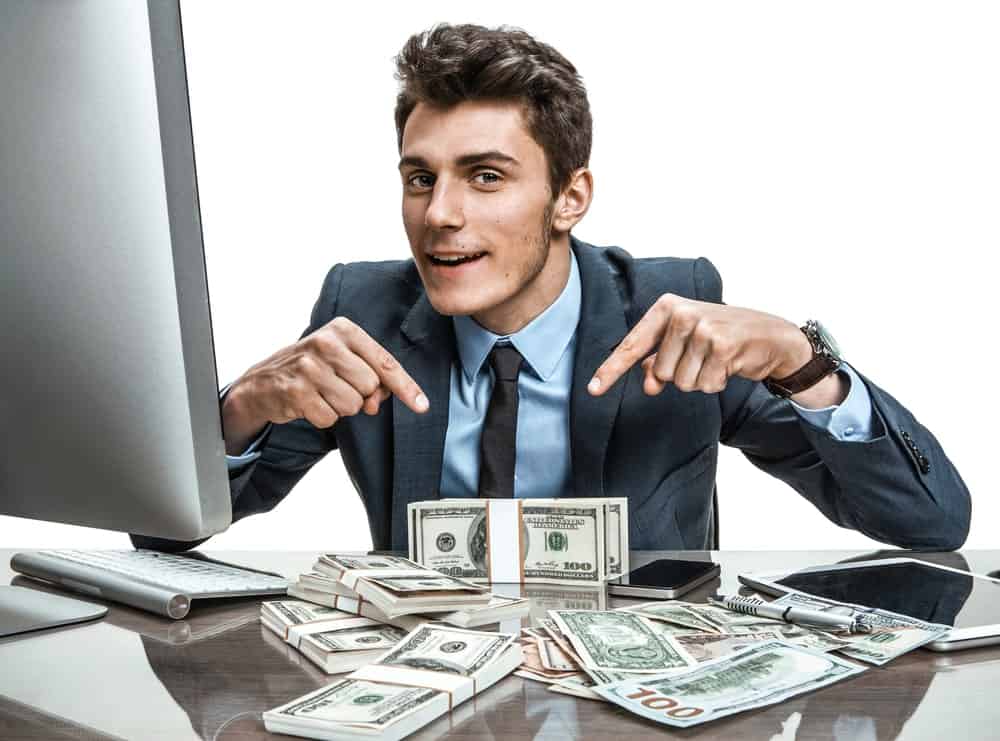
(397, 586)
(431, 670)
(335, 641)
(555, 541)
(323, 590)
(756, 676)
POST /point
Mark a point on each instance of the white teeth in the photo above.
(456, 258)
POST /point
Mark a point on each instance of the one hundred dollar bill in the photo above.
(620, 641)
(759, 675)
(891, 635)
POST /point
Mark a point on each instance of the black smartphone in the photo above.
(666, 578)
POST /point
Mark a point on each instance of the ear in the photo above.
(574, 200)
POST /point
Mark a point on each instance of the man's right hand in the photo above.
(337, 371)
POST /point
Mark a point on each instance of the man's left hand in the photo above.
(699, 345)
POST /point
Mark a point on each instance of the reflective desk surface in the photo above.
(135, 675)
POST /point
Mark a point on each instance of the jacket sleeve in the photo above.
(897, 487)
(288, 450)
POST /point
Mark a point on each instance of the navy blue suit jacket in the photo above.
(660, 452)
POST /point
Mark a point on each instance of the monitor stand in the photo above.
(23, 610)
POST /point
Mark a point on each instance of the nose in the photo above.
(445, 208)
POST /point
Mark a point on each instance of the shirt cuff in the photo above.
(849, 421)
(236, 462)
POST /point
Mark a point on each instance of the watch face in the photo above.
(828, 340)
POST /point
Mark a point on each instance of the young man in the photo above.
(521, 361)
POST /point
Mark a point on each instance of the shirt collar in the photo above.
(541, 342)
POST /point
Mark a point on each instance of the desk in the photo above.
(137, 676)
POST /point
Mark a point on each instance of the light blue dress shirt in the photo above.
(543, 456)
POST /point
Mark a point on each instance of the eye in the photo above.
(494, 177)
(415, 181)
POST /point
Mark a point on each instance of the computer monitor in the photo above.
(108, 386)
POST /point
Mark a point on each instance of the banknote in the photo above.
(441, 648)
(620, 641)
(683, 614)
(553, 657)
(761, 674)
(579, 685)
(423, 583)
(891, 635)
(354, 639)
(297, 612)
(556, 541)
(353, 708)
(616, 536)
(794, 634)
(366, 706)
(724, 620)
(708, 646)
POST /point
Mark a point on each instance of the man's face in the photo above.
(476, 188)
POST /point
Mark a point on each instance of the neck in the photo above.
(534, 297)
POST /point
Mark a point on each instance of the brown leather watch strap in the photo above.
(824, 362)
(805, 377)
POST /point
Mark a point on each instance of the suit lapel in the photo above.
(418, 439)
(602, 326)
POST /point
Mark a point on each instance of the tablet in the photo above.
(968, 602)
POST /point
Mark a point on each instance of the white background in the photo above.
(837, 161)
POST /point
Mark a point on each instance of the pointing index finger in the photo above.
(638, 343)
(390, 372)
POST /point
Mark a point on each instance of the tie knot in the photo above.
(506, 362)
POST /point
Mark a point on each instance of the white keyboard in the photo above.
(160, 582)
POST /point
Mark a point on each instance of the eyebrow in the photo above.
(494, 155)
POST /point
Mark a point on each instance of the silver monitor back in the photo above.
(108, 388)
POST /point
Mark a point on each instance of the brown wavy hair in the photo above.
(448, 64)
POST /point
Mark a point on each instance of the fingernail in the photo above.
(422, 404)
(595, 385)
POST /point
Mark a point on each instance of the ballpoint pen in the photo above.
(796, 615)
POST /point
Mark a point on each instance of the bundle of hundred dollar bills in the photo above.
(555, 541)
(334, 640)
(430, 671)
(402, 593)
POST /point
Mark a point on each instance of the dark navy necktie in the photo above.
(498, 445)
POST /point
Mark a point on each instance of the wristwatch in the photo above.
(825, 360)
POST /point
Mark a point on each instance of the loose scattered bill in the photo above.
(708, 646)
(554, 541)
(682, 614)
(759, 675)
(891, 635)
(620, 641)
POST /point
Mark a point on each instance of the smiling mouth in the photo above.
(452, 261)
